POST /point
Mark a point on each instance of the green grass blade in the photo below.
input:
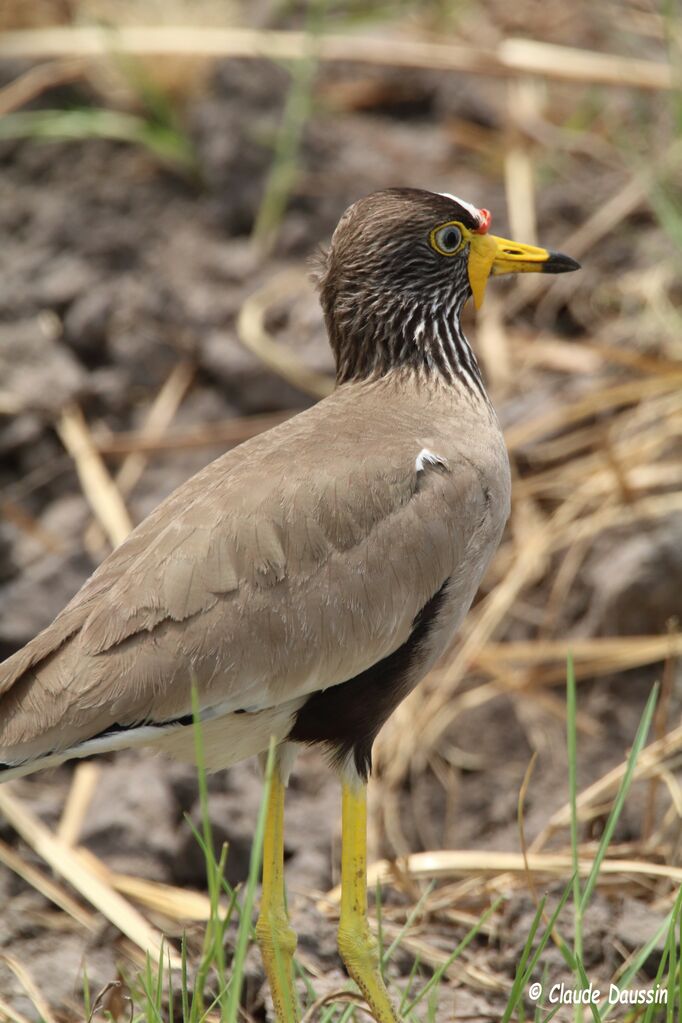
(551, 1014)
(414, 913)
(584, 985)
(297, 110)
(299, 971)
(518, 985)
(153, 1014)
(669, 957)
(679, 971)
(624, 788)
(212, 951)
(466, 940)
(524, 972)
(244, 931)
(216, 1000)
(672, 973)
(158, 993)
(408, 986)
(184, 979)
(171, 992)
(165, 144)
(649, 1014)
(87, 998)
(433, 1005)
(626, 978)
(572, 747)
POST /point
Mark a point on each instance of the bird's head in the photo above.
(403, 259)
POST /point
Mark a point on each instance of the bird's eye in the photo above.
(447, 240)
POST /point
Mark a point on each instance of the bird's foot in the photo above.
(277, 943)
(360, 955)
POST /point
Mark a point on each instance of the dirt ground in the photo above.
(115, 268)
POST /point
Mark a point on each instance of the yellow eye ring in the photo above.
(448, 239)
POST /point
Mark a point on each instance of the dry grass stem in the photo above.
(98, 487)
(479, 863)
(605, 219)
(29, 986)
(10, 1015)
(81, 793)
(37, 80)
(177, 904)
(589, 801)
(460, 971)
(157, 421)
(606, 653)
(47, 887)
(334, 996)
(523, 106)
(67, 863)
(598, 401)
(512, 57)
(254, 336)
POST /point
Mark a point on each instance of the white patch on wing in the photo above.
(426, 457)
(473, 210)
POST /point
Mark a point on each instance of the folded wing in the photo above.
(257, 584)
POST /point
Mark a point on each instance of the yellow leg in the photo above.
(356, 944)
(276, 938)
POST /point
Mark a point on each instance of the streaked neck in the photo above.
(425, 337)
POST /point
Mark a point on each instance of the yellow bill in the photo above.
(492, 256)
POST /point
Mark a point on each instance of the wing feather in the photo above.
(258, 585)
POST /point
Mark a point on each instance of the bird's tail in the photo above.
(225, 740)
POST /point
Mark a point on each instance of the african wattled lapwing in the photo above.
(307, 580)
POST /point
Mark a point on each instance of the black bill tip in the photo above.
(558, 263)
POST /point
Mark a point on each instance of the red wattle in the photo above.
(485, 218)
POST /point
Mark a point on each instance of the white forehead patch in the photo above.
(475, 213)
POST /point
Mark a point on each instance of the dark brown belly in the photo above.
(347, 717)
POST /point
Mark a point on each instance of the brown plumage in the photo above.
(303, 559)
